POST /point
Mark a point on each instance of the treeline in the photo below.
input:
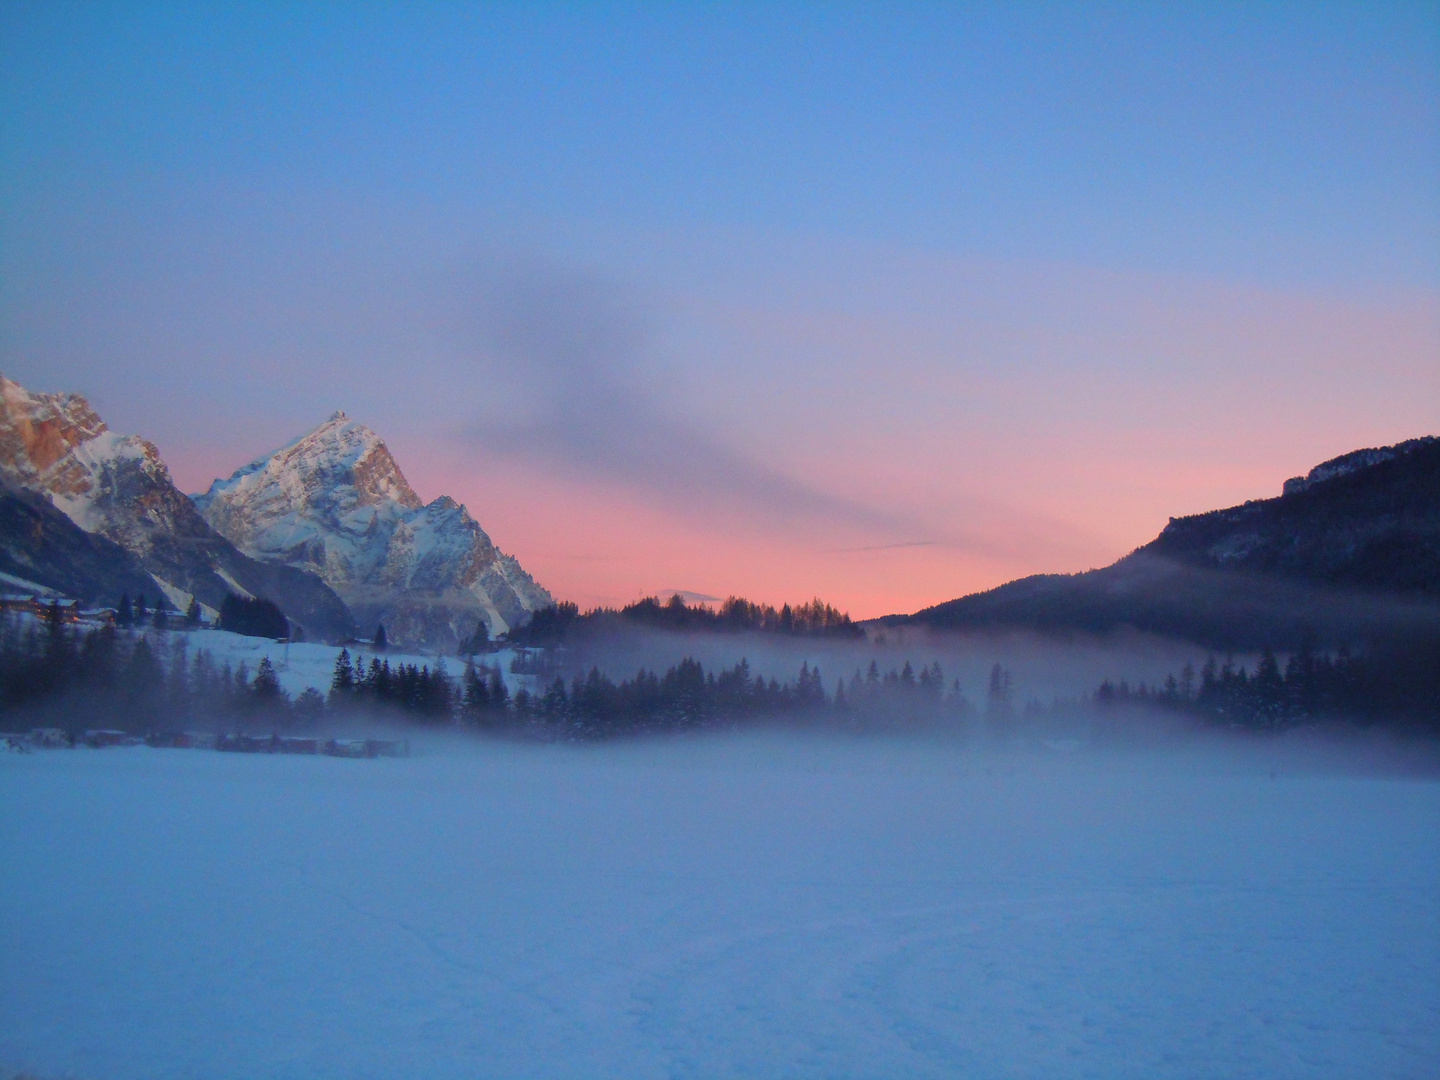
(423, 692)
(252, 617)
(815, 619)
(58, 676)
(1395, 682)
(687, 697)
(55, 675)
(735, 615)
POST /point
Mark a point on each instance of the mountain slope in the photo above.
(40, 545)
(1369, 520)
(117, 487)
(1349, 552)
(334, 502)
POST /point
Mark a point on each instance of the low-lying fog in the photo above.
(1042, 667)
(763, 905)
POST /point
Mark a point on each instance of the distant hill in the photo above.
(1349, 552)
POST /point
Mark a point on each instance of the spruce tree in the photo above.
(499, 693)
(998, 706)
(476, 698)
(479, 641)
(342, 682)
(266, 686)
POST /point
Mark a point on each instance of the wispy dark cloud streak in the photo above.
(887, 547)
(577, 346)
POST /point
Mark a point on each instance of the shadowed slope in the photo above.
(41, 545)
(1352, 552)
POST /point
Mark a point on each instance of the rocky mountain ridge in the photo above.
(335, 503)
(117, 487)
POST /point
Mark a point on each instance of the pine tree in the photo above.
(956, 699)
(1268, 689)
(192, 613)
(310, 706)
(381, 641)
(998, 706)
(476, 699)
(266, 686)
(369, 683)
(124, 615)
(499, 692)
(479, 641)
(342, 683)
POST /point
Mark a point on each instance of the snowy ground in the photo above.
(765, 907)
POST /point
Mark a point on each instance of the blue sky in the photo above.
(214, 218)
(1280, 142)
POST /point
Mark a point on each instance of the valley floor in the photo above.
(764, 906)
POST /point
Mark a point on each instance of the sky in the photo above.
(880, 303)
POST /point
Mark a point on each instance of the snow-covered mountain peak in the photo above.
(335, 502)
(328, 473)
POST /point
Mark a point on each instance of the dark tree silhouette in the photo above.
(255, 618)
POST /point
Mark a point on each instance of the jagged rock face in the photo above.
(106, 483)
(335, 502)
(117, 486)
(38, 434)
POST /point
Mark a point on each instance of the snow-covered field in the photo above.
(764, 906)
(308, 664)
